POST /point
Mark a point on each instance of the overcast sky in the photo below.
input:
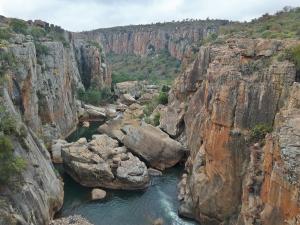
(78, 15)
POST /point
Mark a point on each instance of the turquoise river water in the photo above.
(124, 207)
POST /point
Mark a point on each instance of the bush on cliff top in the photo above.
(18, 26)
(284, 24)
(293, 54)
(5, 34)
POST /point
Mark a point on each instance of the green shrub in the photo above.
(96, 44)
(259, 131)
(163, 98)
(41, 49)
(10, 165)
(7, 61)
(156, 119)
(7, 123)
(294, 56)
(5, 34)
(22, 132)
(165, 88)
(18, 26)
(149, 107)
(94, 96)
(37, 32)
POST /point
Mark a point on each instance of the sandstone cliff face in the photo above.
(276, 169)
(40, 91)
(177, 38)
(229, 89)
(92, 64)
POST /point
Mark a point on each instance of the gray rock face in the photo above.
(56, 147)
(91, 63)
(40, 90)
(153, 145)
(38, 193)
(142, 40)
(101, 163)
(40, 84)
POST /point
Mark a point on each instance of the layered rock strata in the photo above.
(178, 38)
(227, 91)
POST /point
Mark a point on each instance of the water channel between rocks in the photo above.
(124, 207)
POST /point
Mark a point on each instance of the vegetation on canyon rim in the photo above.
(284, 24)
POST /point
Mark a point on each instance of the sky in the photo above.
(82, 15)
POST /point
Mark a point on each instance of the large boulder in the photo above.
(98, 194)
(94, 113)
(153, 145)
(127, 99)
(101, 163)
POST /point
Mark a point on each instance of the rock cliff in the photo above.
(226, 92)
(177, 37)
(40, 75)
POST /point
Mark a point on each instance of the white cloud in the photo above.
(78, 15)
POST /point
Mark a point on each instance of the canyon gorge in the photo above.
(231, 118)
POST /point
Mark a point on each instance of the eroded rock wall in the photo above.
(228, 90)
(176, 37)
(39, 91)
(34, 196)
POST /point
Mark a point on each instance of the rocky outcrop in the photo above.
(101, 163)
(228, 90)
(175, 37)
(92, 64)
(44, 86)
(153, 145)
